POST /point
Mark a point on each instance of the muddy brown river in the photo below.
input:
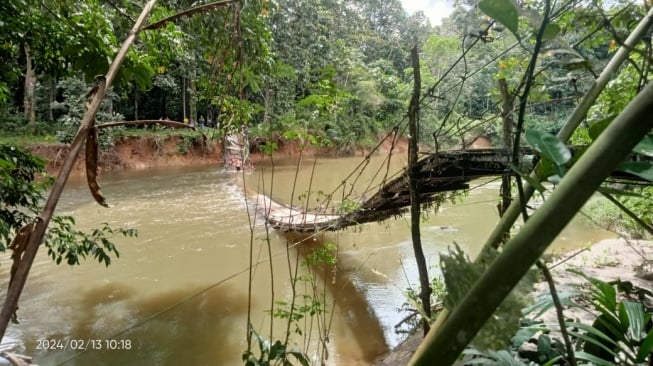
(178, 294)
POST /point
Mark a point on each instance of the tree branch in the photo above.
(190, 12)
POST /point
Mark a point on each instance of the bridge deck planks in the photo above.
(435, 173)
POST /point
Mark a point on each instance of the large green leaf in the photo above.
(646, 347)
(592, 335)
(504, 11)
(544, 301)
(545, 168)
(532, 182)
(548, 145)
(591, 358)
(645, 147)
(597, 127)
(550, 31)
(642, 169)
(634, 311)
(553, 361)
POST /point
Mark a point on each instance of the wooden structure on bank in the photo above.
(436, 173)
(236, 151)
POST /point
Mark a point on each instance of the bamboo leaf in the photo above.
(645, 147)
(549, 146)
(593, 341)
(642, 169)
(544, 301)
(591, 358)
(553, 361)
(504, 11)
(533, 182)
(594, 332)
(634, 312)
(597, 127)
(646, 347)
(550, 32)
(504, 357)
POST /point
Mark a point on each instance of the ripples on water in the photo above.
(194, 233)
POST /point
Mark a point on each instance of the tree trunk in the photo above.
(30, 87)
(183, 97)
(508, 123)
(266, 104)
(413, 120)
(136, 93)
(192, 99)
(52, 95)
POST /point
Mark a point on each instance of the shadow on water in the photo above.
(358, 335)
(192, 333)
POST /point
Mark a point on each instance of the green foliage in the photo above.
(609, 216)
(322, 255)
(20, 191)
(549, 146)
(348, 206)
(72, 111)
(413, 305)
(640, 204)
(297, 310)
(606, 214)
(276, 353)
(64, 242)
(504, 11)
(460, 274)
(556, 159)
(620, 334)
(642, 169)
(12, 126)
(22, 188)
(621, 331)
(645, 147)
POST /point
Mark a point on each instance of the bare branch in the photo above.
(190, 12)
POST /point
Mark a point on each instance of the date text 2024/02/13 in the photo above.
(83, 344)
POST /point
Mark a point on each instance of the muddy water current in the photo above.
(178, 294)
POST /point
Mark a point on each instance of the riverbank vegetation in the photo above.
(344, 73)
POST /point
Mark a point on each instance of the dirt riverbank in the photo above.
(143, 152)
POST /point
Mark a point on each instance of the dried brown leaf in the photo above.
(92, 166)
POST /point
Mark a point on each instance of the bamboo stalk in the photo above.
(443, 345)
(512, 213)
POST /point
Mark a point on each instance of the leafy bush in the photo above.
(73, 108)
(620, 334)
(22, 188)
(14, 126)
(610, 217)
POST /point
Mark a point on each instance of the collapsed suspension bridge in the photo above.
(436, 173)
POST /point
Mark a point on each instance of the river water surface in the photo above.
(178, 294)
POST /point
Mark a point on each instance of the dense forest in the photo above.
(344, 73)
(340, 69)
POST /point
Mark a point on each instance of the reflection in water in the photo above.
(194, 232)
(363, 338)
(191, 333)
